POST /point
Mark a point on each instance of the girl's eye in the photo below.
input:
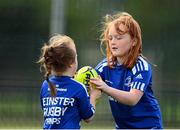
(110, 37)
(118, 37)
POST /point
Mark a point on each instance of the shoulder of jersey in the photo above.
(45, 83)
(101, 65)
(79, 84)
(141, 65)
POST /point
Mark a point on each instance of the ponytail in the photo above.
(51, 85)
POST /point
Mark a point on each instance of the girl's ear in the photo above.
(134, 42)
(71, 65)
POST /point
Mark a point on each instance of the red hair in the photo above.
(132, 28)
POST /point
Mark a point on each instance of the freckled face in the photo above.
(119, 44)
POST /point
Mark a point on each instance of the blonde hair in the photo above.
(56, 55)
(132, 28)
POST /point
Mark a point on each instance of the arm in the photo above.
(129, 98)
(94, 95)
(86, 103)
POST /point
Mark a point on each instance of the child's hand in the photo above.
(94, 92)
(99, 83)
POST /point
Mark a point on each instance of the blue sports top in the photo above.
(71, 104)
(146, 113)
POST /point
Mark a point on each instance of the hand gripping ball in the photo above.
(85, 74)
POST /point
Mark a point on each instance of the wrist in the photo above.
(93, 97)
(105, 89)
(93, 102)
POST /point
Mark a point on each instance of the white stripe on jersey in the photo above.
(145, 64)
(92, 109)
(141, 65)
(100, 64)
(138, 69)
(138, 85)
(100, 68)
(134, 69)
(134, 86)
(142, 87)
(82, 86)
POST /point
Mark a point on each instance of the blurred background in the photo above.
(25, 25)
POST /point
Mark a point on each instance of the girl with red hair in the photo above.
(126, 76)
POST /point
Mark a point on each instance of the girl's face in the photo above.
(119, 44)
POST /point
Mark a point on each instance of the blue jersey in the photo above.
(146, 113)
(71, 104)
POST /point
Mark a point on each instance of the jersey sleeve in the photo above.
(100, 68)
(142, 76)
(86, 110)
